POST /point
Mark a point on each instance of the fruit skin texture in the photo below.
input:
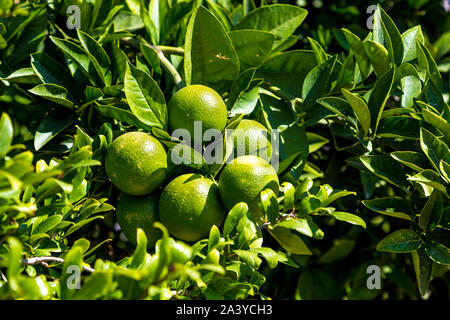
(243, 179)
(136, 163)
(197, 103)
(252, 138)
(138, 212)
(189, 206)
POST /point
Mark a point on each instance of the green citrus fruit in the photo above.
(197, 103)
(252, 138)
(189, 206)
(138, 212)
(243, 179)
(136, 163)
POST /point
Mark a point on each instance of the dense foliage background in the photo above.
(364, 120)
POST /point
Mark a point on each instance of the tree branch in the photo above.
(160, 50)
(45, 260)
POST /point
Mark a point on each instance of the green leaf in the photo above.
(268, 254)
(145, 98)
(399, 127)
(246, 103)
(438, 252)
(400, 241)
(437, 122)
(378, 56)
(252, 47)
(50, 127)
(434, 96)
(348, 217)
(423, 267)
(410, 38)
(157, 10)
(80, 57)
(317, 82)
(50, 71)
(268, 204)
(290, 241)
(289, 196)
(24, 75)
(385, 168)
(415, 160)
(124, 115)
(97, 55)
(54, 93)
(279, 19)
(140, 253)
(390, 206)
(443, 45)
(236, 213)
(46, 225)
(81, 224)
(391, 36)
(209, 56)
(412, 88)
(340, 107)
(315, 141)
(292, 137)
(309, 204)
(321, 55)
(51, 187)
(6, 134)
(214, 237)
(430, 178)
(431, 213)
(379, 96)
(240, 85)
(444, 168)
(359, 52)
(360, 109)
(334, 196)
(434, 148)
(427, 63)
(288, 70)
(249, 257)
(14, 261)
(299, 225)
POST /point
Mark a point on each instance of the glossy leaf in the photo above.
(280, 19)
(378, 98)
(252, 47)
(383, 167)
(359, 107)
(434, 148)
(390, 206)
(348, 217)
(290, 241)
(400, 241)
(146, 100)
(6, 134)
(210, 58)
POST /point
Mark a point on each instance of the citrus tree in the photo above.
(219, 150)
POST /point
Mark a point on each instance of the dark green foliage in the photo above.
(357, 109)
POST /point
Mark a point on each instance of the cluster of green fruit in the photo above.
(190, 204)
